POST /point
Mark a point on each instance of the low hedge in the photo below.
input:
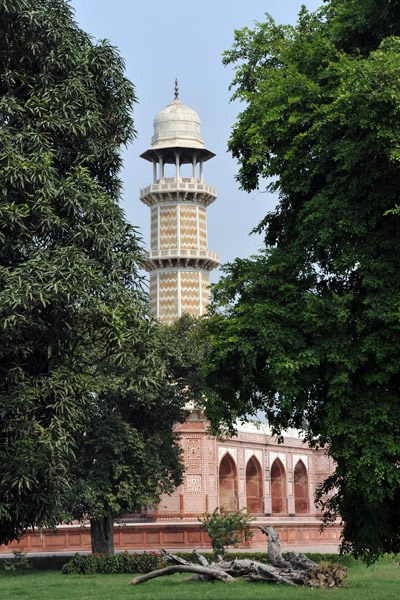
(48, 563)
(57, 562)
(52, 562)
(113, 563)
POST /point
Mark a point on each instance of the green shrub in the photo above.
(391, 558)
(20, 562)
(114, 563)
(226, 528)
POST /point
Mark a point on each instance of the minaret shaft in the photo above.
(179, 261)
(177, 225)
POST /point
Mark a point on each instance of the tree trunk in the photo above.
(102, 534)
(274, 548)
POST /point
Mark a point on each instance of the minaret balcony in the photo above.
(182, 257)
(172, 189)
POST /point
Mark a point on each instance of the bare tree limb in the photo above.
(202, 559)
(296, 570)
(177, 560)
(274, 548)
(212, 573)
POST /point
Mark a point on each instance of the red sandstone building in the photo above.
(276, 482)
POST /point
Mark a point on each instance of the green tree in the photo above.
(226, 528)
(184, 350)
(128, 454)
(70, 294)
(308, 331)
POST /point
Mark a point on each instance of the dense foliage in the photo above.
(226, 528)
(185, 350)
(84, 387)
(308, 331)
(128, 454)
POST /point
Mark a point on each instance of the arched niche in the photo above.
(254, 487)
(228, 485)
(278, 487)
(300, 488)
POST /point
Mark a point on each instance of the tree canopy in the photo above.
(308, 330)
(128, 454)
(185, 352)
(74, 318)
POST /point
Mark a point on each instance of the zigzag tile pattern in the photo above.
(205, 291)
(168, 296)
(154, 228)
(188, 226)
(153, 294)
(190, 293)
(203, 228)
(168, 237)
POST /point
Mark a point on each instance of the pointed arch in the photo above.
(278, 487)
(254, 486)
(300, 488)
(228, 483)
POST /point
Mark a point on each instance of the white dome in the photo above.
(177, 125)
(177, 132)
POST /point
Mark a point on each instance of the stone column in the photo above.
(267, 485)
(290, 486)
(311, 485)
(154, 171)
(212, 473)
(242, 499)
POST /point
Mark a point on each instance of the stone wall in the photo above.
(175, 536)
(275, 481)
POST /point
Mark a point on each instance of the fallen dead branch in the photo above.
(191, 568)
(295, 569)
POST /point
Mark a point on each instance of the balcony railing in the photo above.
(174, 185)
(195, 191)
(170, 253)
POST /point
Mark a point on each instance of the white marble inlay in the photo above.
(302, 457)
(232, 451)
(249, 453)
(274, 455)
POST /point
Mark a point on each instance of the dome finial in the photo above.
(176, 89)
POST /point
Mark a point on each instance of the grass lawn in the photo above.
(379, 582)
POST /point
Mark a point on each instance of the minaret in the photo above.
(179, 261)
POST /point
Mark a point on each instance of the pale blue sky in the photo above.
(160, 40)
